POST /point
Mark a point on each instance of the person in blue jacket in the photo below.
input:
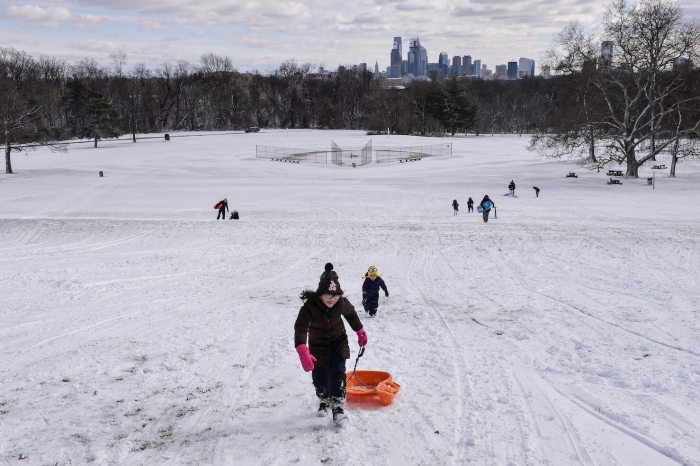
(370, 290)
(485, 207)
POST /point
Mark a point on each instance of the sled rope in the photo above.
(357, 359)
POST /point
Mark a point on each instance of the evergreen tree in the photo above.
(102, 119)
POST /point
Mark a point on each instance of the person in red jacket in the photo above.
(223, 208)
(320, 322)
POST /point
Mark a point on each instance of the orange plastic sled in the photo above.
(371, 386)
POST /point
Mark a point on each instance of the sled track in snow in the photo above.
(517, 273)
(572, 440)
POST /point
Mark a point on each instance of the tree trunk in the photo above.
(8, 161)
(674, 159)
(631, 160)
(591, 146)
(95, 142)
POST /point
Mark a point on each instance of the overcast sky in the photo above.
(260, 34)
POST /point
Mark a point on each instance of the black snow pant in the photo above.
(470, 208)
(371, 303)
(329, 382)
(486, 215)
(222, 214)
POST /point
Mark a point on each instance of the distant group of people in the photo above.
(470, 206)
(484, 207)
(320, 338)
(486, 203)
(511, 188)
(222, 206)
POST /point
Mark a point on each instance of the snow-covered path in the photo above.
(135, 329)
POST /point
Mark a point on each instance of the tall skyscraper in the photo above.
(417, 58)
(512, 72)
(501, 72)
(444, 63)
(456, 65)
(395, 70)
(467, 68)
(606, 55)
(477, 68)
(526, 67)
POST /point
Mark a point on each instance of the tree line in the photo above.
(44, 100)
(626, 111)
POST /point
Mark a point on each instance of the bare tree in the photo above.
(634, 92)
(19, 114)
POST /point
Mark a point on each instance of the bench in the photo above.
(614, 173)
(612, 181)
(658, 167)
(650, 180)
(571, 175)
(410, 159)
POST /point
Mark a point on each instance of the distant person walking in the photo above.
(370, 290)
(485, 207)
(537, 191)
(455, 207)
(223, 208)
(470, 205)
(511, 187)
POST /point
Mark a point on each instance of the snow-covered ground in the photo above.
(136, 329)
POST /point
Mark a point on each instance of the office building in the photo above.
(456, 65)
(467, 68)
(477, 68)
(500, 72)
(512, 70)
(606, 55)
(444, 63)
(417, 58)
(395, 69)
(526, 67)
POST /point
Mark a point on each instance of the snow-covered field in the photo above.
(136, 329)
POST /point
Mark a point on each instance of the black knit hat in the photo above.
(329, 283)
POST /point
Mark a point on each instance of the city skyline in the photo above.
(260, 37)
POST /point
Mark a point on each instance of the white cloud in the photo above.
(49, 16)
(318, 31)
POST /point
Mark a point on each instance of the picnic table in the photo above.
(614, 173)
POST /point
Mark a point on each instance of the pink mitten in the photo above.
(306, 358)
(361, 337)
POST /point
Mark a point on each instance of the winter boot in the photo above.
(323, 408)
(373, 313)
(339, 416)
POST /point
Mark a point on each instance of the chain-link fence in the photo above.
(352, 157)
(413, 153)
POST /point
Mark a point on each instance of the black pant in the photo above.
(222, 214)
(329, 382)
(470, 208)
(486, 215)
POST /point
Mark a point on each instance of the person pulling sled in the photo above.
(320, 323)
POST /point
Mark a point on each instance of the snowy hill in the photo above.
(136, 329)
